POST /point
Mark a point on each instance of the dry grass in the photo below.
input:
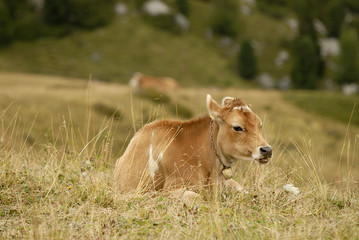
(56, 194)
(61, 188)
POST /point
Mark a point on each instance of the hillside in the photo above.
(130, 44)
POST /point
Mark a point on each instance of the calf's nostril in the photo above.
(266, 152)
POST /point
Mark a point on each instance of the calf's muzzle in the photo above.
(266, 152)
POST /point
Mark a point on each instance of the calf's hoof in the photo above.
(190, 197)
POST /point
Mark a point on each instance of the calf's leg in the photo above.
(232, 185)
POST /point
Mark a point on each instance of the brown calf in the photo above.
(172, 154)
(162, 84)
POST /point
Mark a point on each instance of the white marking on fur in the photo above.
(208, 100)
(226, 99)
(245, 108)
(135, 80)
(246, 158)
(152, 164)
(257, 154)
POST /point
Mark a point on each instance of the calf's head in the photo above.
(239, 131)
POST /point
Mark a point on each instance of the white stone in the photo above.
(96, 57)
(281, 58)
(182, 21)
(208, 33)
(292, 23)
(266, 81)
(249, 2)
(348, 18)
(320, 27)
(226, 41)
(329, 84)
(284, 83)
(156, 7)
(121, 9)
(290, 188)
(329, 47)
(245, 10)
(39, 4)
(350, 88)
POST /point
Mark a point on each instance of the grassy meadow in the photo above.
(130, 44)
(60, 138)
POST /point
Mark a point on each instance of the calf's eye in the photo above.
(237, 129)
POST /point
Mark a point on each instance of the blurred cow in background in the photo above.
(161, 84)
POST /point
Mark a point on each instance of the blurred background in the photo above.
(280, 44)
(296, 60)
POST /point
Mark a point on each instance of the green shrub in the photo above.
(19, 8)
(247, 61)
(6, 23)
(164, 21)
(305, 10)
(224, 19)
(349, 57)
(19, 20)
(304, 70)
(335, 17)
(28, 27)
(273, 8)
(56, 12)
(80, 13)
(353, 5)
(139, 4)
(183, 7)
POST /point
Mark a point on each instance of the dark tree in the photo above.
(336, 16)
(6, 23)
(353, 5)
(78, 13)
(304, 70)
(247, 61)
(305, 12)
(183, 7)
(224, 18)
(349, 57)
(56, 12)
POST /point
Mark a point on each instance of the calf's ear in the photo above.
(214, 110)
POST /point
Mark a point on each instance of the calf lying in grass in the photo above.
(169, 154)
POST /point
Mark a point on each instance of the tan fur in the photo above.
(172, 154)
(162, 84)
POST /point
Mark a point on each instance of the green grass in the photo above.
(125, 47)
(334, 106)
(130, 44)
